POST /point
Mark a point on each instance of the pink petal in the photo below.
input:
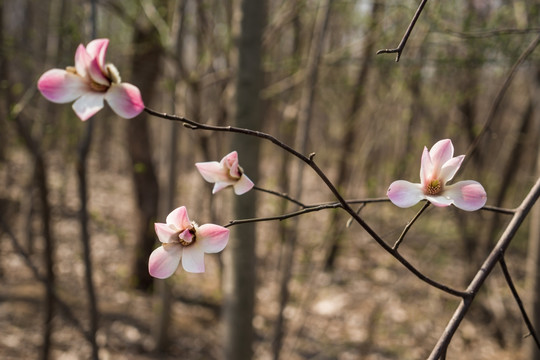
(426, 168)
(212, 171)
(441, 152)
(82, 61)
(97, 49)
(230, 160)
(193, 258)
(164, 260)
(179, 218)
(220, 185)
(60, 86)
(467, 195)
(96, 73)
(125, 100)
(88, 104)
(212, 238)
(450, 168)
(166, 233)
(439, 200)
(243, 185)
(405, 194)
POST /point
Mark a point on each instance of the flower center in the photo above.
(98, 87)
(433, 187)
(188, 236)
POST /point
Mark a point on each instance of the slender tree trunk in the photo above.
(239, 257)
(336, 227)
(533, 258)
(145, 63)
(301, 143)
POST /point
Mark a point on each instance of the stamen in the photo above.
(434, 187)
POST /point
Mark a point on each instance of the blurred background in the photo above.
(78, 199)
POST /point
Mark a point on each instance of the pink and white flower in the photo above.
(90, 82)
(184, 239)
(225, 173)
(438, 166)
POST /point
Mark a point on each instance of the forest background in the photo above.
(75, 286)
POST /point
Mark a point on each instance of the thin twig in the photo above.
(408, 226)
(490, 33)
(281, 195)
(310, 162)
(286, 216)
(401, 45)
(499, 97)
(496, 254)
(510, 283)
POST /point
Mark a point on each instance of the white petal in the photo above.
(193, 259)
(125, 100)
(61, 86)
(179, 218)
(212, 238)
(467, 195)
(405, 194)
(243, 185)
(88, 104)
(164, 260)
(450, 168)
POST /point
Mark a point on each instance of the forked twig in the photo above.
(401, 45)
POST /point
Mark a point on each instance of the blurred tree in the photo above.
(146, 60)
(240, 264)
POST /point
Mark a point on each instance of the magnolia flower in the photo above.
(437, 168)
(184, 239)
(225, 173)
(90, 82)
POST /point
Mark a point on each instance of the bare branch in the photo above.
(494, 257)
(403, 42)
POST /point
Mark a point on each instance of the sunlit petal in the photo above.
(211, 171)
(439, 200)
(61, 86)
(426, 167)
(405, 194)
(82, 61)
(193, 259)
(166, 233)
(88, 104)
(441, 152)
(243, 185)
(467, 195)
(450, 168)
(125, 100)
(164, 260)
(97, 49)
(212, 238)
(179, 218)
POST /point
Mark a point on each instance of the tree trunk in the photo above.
(145, 64)
(239, 257)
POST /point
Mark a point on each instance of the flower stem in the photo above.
(408, 226)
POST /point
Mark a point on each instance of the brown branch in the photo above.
(403, 42)
(408, 226)
(515, 294)
(311, 163)
(494, 257)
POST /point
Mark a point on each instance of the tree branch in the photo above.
(403, 42)
(494, 257)
(310, 162)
